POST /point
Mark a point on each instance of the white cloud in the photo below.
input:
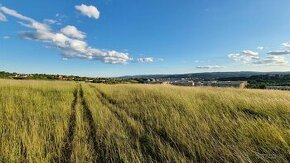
(6, 37)
(252, 57)
(36, 25)
(14, 13)
(286, 45)
(2, 17)
(72, 31)
(90, 11)
(260, 47)
(145, 59)
(279, 52)
(245, 56)
(69, 47)
(250, 53)
(210, 67)
(272, 60)
(49, 21)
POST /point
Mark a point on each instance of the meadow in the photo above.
(53, 121)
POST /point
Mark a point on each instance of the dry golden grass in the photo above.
(209, 124)
(141, 123)
(33, 119)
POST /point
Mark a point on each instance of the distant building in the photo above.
(165, 82)
(236, 84)
(183, 83)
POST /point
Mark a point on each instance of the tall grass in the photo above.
(44, 121)
(33, 119)
(211, 124)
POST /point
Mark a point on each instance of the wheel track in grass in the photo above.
(97, 153)
(143, 139)
(163, 135)
(67, 148)
(98, 148)
(100, 152)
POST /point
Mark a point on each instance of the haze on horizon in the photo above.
(114, 38)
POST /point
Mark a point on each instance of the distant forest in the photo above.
(261, 81)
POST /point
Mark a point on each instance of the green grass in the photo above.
(141, 123)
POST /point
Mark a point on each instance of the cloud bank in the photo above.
(279, 52)
(251, 57)
(68, 40)
(272, 60)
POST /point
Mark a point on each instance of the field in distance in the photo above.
(53, 121)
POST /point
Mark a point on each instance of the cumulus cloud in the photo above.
(260, 47)
(272, 60)
(72, 31)
(279, 52)
(89, 11)
(245, 56)
(210, 67)
(145, 59)
(70, 47)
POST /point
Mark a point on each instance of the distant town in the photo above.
(257, 80)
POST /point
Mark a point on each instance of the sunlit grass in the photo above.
(141, 123)
(33, 119)
(212, 124)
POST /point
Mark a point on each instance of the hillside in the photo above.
(53, 121)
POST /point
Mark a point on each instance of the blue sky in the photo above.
(115, 38)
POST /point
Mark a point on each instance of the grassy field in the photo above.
(43, 121)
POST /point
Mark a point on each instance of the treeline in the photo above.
(261, 81)
(4, 74)
(17, 76)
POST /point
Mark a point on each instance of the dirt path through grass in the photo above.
(67, 145)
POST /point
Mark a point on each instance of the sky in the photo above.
(108, 38)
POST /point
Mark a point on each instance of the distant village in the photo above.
(196, 82)
(211, 83)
